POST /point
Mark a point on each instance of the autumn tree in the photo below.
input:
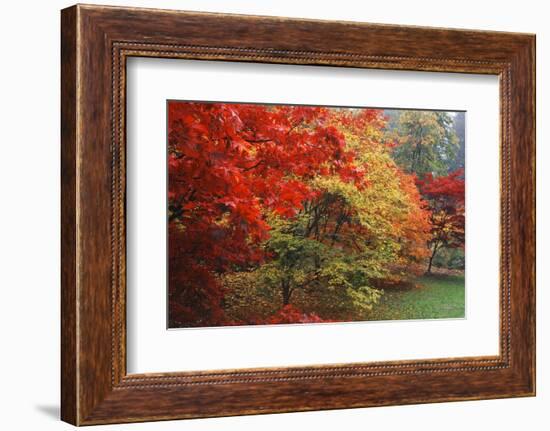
(281, 214)
(352, 230)
(230, 164)
(426, 142)
(445, 195)
(459, 127)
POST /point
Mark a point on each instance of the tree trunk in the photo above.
(285, 286)
(429, 270)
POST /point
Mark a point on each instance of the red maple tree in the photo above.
(445, 197)
(229, 164)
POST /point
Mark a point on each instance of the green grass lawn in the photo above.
(438, 297)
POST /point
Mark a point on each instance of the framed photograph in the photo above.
(264, 215)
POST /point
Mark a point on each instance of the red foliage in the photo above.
(290, 314)
(228, 165)
(445, 195)
(449, 187)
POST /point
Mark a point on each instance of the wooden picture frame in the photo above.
(96, 41)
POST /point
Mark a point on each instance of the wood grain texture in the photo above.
(96, 41)
(69, 366)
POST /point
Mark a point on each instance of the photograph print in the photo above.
(291, 214)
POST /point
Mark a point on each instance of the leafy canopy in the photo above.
(292, 213)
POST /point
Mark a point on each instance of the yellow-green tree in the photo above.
(426, 141)
(359, 225)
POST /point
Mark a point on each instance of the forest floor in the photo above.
(435, 297)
